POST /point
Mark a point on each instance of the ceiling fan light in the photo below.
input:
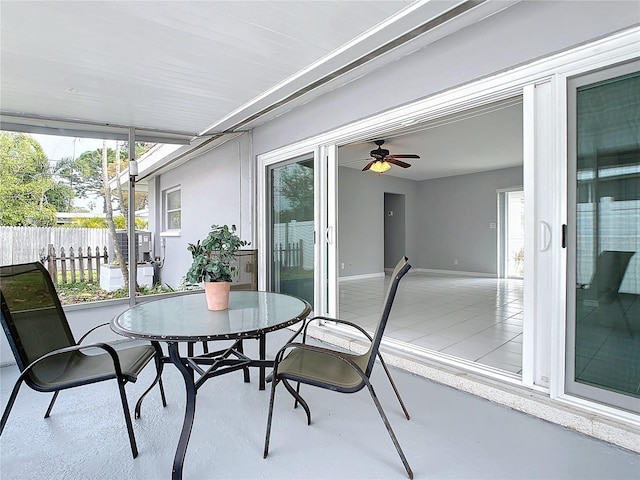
(380, 166)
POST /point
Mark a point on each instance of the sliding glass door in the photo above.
(603, 331)
(291, 228)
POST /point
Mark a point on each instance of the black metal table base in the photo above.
(215, 363)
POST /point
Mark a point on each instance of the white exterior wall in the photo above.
(216, 189)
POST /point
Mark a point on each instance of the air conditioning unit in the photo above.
(143, 246)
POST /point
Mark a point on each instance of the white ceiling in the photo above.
(179, 69)
(477, 140)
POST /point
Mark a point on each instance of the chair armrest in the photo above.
(108, 348)
(91, 330)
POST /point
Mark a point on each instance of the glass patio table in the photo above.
(186, 319)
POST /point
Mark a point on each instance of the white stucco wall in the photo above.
(216, 189)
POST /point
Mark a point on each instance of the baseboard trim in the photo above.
(360, 277)
(454, 272)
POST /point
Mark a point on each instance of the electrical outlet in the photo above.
(455, 261)
(342, 266)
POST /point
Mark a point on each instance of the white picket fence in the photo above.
(297, 236)
(25, 244)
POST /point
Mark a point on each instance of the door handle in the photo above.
(545, 236)
(329, 235)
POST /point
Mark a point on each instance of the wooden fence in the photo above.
(75, 266)
(25, 244)
(289, 255)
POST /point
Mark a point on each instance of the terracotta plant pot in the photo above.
(217, 294)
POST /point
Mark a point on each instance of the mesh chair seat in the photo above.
(315, 367)
(80, 368)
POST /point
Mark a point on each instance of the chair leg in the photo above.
(53, 400)
(624, 316)
(299, 399)
(269, 417)
(395, 389)
(127, 416)
(7, 409)
(295, 404)
(390, 430)
(157, 379)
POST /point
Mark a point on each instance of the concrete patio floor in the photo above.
(451, 434)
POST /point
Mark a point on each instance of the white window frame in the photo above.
(166, 231)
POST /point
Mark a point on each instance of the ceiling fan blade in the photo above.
(368, 165)
(397, 162)
(405, 155)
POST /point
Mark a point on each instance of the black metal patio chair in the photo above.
(336, 370)
(49, 358)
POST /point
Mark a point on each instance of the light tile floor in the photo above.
(477, 319)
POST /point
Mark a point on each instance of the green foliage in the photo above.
(98, 222)
(84, 174)
(296, 185)
(32, 191)
(61, 197)
(82, 292)
(214, 257)
(25, 182)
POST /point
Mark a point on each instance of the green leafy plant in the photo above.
(214, 258)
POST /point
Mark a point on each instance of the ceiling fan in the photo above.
(382, 160)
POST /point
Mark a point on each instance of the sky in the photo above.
(57, 148)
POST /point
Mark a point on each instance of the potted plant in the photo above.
(215, 263)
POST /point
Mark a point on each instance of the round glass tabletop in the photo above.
(186, 317)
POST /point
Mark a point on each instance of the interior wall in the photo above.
(458, 220)
(361, 219)
(217, 190)
(446, 219)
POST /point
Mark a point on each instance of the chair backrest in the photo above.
(31, 313)
(611, 267)
(401, 268)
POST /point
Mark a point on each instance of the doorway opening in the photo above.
(511, 241)
(394, 229)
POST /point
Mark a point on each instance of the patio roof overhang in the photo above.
(191, 73)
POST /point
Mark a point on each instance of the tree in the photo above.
(109, 215)
(98, 222)
(296, 185)
(61, 197)
(67, 177)
(28, 192)
(85, 175)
